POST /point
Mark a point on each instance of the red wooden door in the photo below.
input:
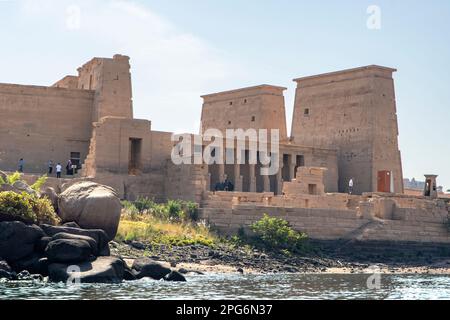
(384, 181)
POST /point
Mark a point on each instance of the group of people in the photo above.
(71, 169)
(224, 186)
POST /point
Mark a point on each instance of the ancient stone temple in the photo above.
(353, 111)
(344, 122)
(344, 127)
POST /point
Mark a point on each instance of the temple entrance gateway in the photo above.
(134, 163)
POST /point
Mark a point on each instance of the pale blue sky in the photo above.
(181, 49)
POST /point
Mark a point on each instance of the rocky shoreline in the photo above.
(228, 259)
(50, 253)
(79, 248)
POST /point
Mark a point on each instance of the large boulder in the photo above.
(175, 276)
(17, 240)
(102, 270)
(98, 235)
(92, 206)
(92, 243)
(146, 267)
(68, 250)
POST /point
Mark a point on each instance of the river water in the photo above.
(279, 286)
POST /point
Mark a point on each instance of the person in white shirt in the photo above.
(58, 170)
(350, 186)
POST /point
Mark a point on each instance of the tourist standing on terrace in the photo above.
(50, 167)
(350, 186)
(69, 170)
(21, 164)
(58, 170)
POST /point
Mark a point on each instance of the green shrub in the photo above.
(45, 213)
(17, 206)
(276, 234)
(143, 204)
(28, 208)
(175, 210)
(191, 210)
(13, 178)
(39, 183)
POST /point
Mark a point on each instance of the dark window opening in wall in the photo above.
(306, 112)
(75, 158)
(231, 103)
(229, 122)
(90, 82)
(245, 100)
(213, 152)
(299, 162)
(253, 119)
(134, 163)
(286, 167)
(312, 189)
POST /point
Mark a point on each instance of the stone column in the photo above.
(252, 169)
(292, 166)
(266, 180)
(237, 177)
(222, 175)
(280, 180)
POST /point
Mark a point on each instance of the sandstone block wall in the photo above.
(358, 218)
(260, 107)
(110, 147)
(111, 80)
(41, 124)
(355, 112)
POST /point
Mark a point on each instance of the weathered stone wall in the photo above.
(186, 182)
(341, 216)
(43, 123)
(355, 112)
(260, 107)
(110, 146)
(111, 80)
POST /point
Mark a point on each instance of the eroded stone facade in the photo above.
(344, 126)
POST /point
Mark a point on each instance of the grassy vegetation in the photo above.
(28, 208)
(175, 223)
(171, 223)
